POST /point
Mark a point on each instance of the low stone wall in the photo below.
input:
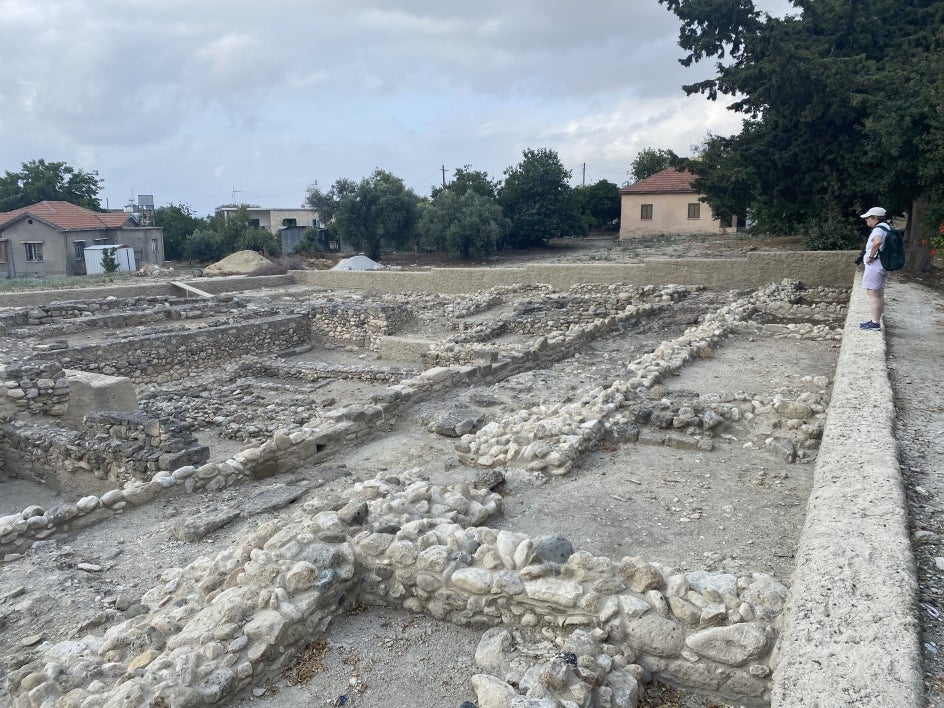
(39, 388)
(219, 625)
(549, 439)
(851, 634)
(164, 288)
(813, 268)
(113, 447)
(70, 316)
(162, 357)
(363, 325)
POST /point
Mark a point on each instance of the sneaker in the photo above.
(870, 325)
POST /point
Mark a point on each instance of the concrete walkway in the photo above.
(915, 340)
(851, 633)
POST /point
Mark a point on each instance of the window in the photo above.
(645, 212)
(34, 252)
(153, 245)
(289, 222)
(79, 250)
(3, 251)
(694, 211)
(254, 223)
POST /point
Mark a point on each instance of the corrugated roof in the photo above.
(668, 181)
(66, 216)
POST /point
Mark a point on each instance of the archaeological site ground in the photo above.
(590, 480)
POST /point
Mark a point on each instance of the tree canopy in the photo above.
(39, 180)
(376, 213)
(599, 204)
(538, 200)
(466, 224)
(842, 106)
(650, 160)
(178, 222)
(465, 179)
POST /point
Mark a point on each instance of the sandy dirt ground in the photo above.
(731, 509)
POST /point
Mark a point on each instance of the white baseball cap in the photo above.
(874, 211)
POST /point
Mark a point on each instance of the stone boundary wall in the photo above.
(813, 268)
(851, 634)
(162, 357)
(116, 447)
(69, 316)
(38, 388)
(164, 288)
(221, 624)
(319, 371)
(363, 325)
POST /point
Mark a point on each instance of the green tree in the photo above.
(39, 180)
(178, 222)
(599, 203)
(465, 179)
(538, 200)
(203, 247)
(650, 160)
(380, 212)
(834, 117)
(465, 224)
(109, 262)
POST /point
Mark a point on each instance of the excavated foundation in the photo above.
(616, 474)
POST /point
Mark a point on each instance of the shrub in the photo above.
(831, 233)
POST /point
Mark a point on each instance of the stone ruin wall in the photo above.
(218, 625)
(307, 445)
(731, 662)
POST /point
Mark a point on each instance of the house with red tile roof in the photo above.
(667, 203)
(49, 238)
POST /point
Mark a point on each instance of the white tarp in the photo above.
(358, 263)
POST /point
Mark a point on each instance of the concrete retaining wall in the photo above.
(813, 268)
(851, 634)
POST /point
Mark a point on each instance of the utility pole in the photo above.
(235, 192)
(444, 175)
(583, 182)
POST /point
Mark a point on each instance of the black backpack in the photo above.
(892, 254)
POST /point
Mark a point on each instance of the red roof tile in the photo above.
(668, 181)
(66, 216)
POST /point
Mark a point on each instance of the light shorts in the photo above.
(874, 277)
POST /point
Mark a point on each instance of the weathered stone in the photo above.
(655, 635)
(733, 645)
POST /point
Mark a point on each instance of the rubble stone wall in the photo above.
(38, 388)
(358, 324)
(66, 317)
(221, 624)
(162, 357)
(114, 447)
(215, 286)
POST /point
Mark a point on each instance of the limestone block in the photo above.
(733, 645)
(563, 593)
(654, 635)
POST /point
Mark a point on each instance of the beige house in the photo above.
(666, 203)
(49, 238)
(274, 219)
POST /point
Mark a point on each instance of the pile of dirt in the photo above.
(239, 262)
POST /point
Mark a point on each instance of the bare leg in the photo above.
(876, 303)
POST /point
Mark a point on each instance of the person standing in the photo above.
(875, 276)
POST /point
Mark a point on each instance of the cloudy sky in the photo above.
(204, 102)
